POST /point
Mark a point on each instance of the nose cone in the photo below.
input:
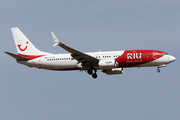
(171, 58)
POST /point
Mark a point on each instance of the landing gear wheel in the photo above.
(94, 75)
(158, 70)
(90, 72)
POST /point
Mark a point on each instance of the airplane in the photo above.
(110, 62)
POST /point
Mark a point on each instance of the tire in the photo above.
(94, 75)
(90, 72)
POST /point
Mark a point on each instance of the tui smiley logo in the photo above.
(19, 46)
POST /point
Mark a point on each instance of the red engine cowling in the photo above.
(108, 64)
(113, 71)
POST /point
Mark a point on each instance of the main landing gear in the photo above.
(90, 72)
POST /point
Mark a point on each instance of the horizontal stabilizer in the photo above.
(17, 57)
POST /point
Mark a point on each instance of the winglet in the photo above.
(55, 39)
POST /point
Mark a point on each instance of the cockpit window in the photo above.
(164, 53)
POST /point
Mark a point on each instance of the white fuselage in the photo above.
(66, 62)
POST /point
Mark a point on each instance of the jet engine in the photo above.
(113, 71)
(108, 63)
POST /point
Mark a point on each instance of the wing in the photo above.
(83, 58)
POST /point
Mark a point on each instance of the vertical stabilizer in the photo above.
(23, 45)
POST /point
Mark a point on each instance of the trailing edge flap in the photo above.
(17, 57)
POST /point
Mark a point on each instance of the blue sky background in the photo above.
(138, 94)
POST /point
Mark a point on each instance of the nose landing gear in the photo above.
(158, 70)
(160, 66)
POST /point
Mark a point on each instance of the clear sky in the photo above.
(137, 94)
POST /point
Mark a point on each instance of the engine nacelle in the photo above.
(108, 63)
(113, 71)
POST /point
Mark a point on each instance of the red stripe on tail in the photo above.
(31, 57)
